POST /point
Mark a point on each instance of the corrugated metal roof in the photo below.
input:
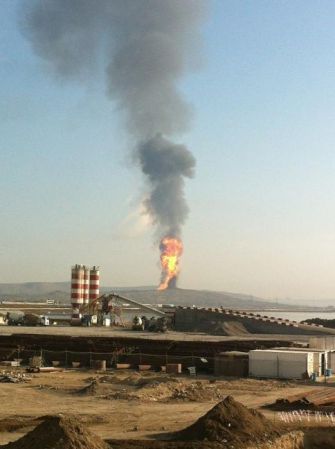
(234, 354)
(280, 351)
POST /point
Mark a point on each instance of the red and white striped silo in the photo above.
(94, 283)
(77, 289)
(86, 283)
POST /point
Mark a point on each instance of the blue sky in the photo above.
(261, 205)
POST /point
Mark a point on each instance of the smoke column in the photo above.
(146, 46)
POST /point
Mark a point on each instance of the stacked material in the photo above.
(311, 400)
(13, 377)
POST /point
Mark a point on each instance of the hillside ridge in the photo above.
(60, 292)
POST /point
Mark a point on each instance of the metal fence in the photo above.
(65, 358)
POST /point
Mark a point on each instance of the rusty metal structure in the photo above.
(113, 304)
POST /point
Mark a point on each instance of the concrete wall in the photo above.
(230, 365)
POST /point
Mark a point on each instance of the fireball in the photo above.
(171, 249)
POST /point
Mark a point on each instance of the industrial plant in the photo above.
(105, 346)
(233, 342)
(84, 287)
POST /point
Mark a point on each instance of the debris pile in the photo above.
(169, 391)
(230, 422)
(152, 388)
(311, 400)
(197, 392)
(99, 389)
(13, 377)
(91, 389)
(59, 432)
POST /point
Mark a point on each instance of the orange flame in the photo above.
(171, 249)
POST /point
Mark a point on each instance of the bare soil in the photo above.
(129, 405)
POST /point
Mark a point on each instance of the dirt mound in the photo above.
(155, 381)
(320, 438)
(169, 391)
(97, 389)
(232, 422)
(59, 432)
(92, 389)
(152, 444)
(162, 390)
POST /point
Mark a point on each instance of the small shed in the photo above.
(231, 364)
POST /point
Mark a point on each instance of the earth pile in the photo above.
(59, 432)
(230, 422)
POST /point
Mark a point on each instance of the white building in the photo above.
(274, 363)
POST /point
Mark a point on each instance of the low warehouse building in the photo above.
(231, 364)
(281, 364)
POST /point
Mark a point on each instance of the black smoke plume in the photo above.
(166, 164)
(146, 46)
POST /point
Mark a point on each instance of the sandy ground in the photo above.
(152, 402)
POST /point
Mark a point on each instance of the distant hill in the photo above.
(195, 297)
(60, 291)
(35, 291)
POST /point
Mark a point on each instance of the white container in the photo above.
(44, 320)
(280, 364)
(106, 322)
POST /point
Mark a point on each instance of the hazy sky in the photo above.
(262, 217)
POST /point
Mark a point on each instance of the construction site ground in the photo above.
(127, 404)
(68, 344)
(119, 332)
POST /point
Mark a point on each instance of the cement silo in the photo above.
(86, 284)
(94, 283)
(77, 289)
